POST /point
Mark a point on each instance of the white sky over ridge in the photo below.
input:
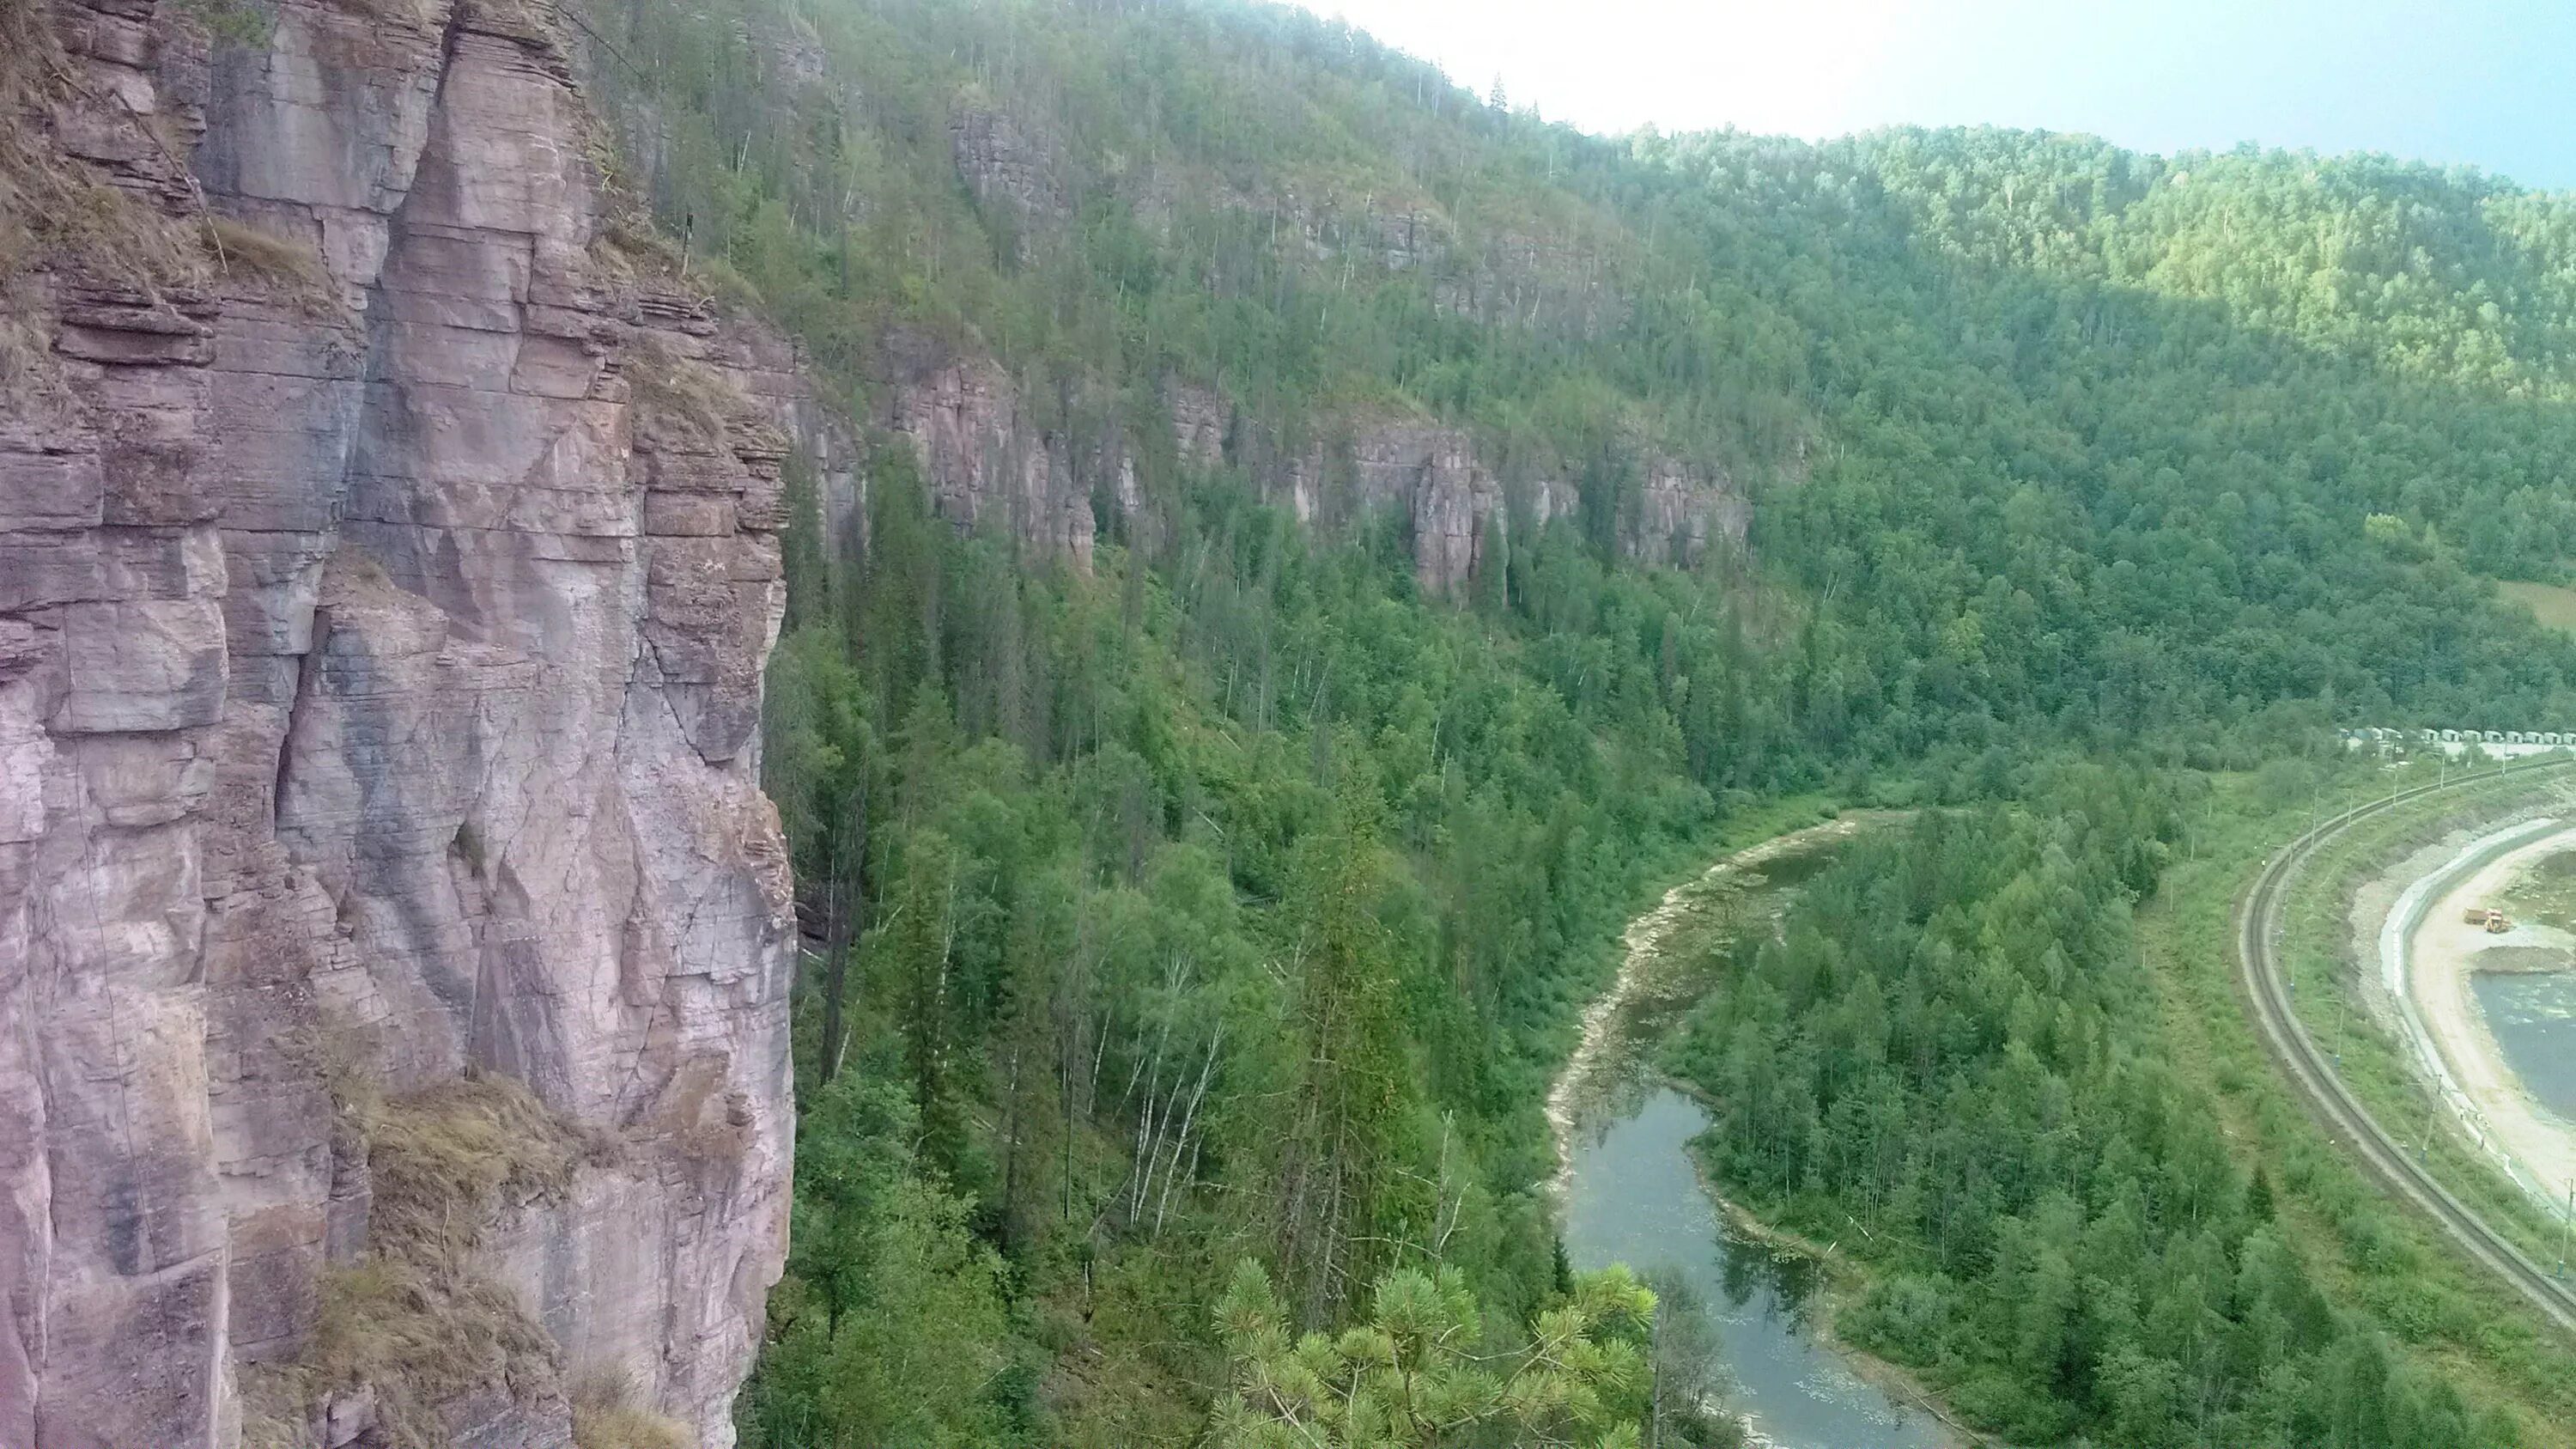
(2490, 83)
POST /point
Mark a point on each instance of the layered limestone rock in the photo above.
(381, 635)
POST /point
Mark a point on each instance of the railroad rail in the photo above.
(2258, 927)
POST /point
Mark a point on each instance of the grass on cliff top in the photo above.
(52, 207)
(55, 211)
(680, 398)
(293, 270)
(444, 1158)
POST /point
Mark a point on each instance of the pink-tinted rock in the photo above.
(388, 675)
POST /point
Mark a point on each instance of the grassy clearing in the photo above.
(2550, 604)
(2374, 1257)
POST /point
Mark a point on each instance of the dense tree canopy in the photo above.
(1232, 900)
(1951, 1044)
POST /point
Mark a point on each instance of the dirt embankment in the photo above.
(2441, 953)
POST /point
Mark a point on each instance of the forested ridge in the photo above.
(1193, 935)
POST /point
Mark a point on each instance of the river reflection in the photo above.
(1634, 1197)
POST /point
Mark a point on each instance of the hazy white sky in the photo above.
(2487, 82)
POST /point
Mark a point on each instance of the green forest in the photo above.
(1953, 1044)
(1192, 936)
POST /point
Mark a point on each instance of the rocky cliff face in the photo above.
(381, 634)
(988, 464)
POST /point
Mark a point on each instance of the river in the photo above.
(1632, 1194)
(2532, 1015)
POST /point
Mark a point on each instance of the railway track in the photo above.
(2258, 927)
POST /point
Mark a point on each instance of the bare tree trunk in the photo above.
(1143, 1161)
(1189, 1119)
(848, 901)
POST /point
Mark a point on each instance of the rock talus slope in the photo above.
(381, 634)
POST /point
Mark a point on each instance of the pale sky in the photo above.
(2488, 82)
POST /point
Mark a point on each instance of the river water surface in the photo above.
(2532, 1015)
(1635, 1198)
(1633, 1195)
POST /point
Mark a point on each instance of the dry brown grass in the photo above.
(422, 1337)
(605, 1416)
(444, 1158)
(55, 210)
(31, 382)
(55, 213)
(680, 398)
(292, 270)
(630, 248)
(416, 1320)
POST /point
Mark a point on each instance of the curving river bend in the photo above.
(1632, 1193)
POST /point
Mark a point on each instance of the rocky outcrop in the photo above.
(1682, 512)
(820, 436)
(381, 634)
(1454, 499)
(1008, 165)
(1201, 423)
(988, 465)
(1457, 502)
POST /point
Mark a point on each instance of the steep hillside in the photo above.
(1075, 254)
(1188, 879)
(1992, 381)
